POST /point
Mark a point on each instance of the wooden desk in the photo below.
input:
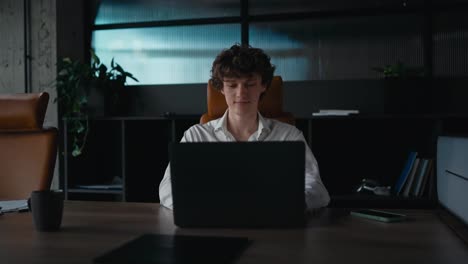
(92, 228)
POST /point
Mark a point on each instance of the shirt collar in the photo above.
(221, 122)
(262, 124)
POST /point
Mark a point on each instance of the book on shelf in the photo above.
(410, 179)
(429, 191)
(426, 176)
(416, 179)
(419, 177)
(406, 171)
(419, 184)
(335, 112)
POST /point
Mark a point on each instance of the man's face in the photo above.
(242, 93)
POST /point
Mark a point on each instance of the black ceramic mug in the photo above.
(47, 209)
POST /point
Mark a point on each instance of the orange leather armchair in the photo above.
(271, 105)
(27, 150)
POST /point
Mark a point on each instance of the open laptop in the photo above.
(452, 176)
(238, 184)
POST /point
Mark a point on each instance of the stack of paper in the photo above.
(13, 206)
(101, 187)
(335, 112)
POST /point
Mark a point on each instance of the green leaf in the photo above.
(119, 69)
(102, 71)
(84, 100)
(94, 57)
(80, 129)
(76, 152)
(76, 107)
(133, 78)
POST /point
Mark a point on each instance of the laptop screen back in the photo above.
(238, 184)
(452, 175)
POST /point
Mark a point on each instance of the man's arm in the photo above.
(316, 194)
(165, 189)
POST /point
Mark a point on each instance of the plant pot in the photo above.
(116, 103)
(407, 96)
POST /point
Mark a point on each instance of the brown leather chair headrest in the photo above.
(216, 102)
(23, 111)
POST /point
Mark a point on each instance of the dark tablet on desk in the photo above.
(162, 249)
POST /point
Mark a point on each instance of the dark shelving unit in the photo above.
(131, 149)
(351, 148)
(348, 149)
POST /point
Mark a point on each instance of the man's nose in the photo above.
(242, 90)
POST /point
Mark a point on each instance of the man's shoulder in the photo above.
(200, 132)
(199, 127)
(204, 127)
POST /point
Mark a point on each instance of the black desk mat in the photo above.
(155, 248)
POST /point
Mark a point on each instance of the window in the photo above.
(449, 42)
(339, 48)
(175, 42)
(165, 55)
(262, 7)
(134, 11)
(165, 42)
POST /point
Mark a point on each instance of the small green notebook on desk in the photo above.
(167, 249)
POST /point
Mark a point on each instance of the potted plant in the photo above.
(73, 84)
(400, 71)
(405, 89)
(111, 83)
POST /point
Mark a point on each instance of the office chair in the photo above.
(271, 105)
(27, 149)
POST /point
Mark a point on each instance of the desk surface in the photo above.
(90, 229)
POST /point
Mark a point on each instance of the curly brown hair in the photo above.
(241, 61)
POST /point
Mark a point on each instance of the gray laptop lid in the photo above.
(452, 175)
(238, 184)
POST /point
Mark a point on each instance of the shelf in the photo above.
(374, 201)
(168, 117)
(364, 146)
(101, 191)
(386, 116)
(121, 146)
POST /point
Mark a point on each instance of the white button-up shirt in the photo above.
(268, 130)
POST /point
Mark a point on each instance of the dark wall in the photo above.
(304, 98)
(300, 98)
(72, 30)
(374, 97)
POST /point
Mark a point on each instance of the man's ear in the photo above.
(264, 88)
(222, 91)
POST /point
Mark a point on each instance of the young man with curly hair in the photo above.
(243, 74)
